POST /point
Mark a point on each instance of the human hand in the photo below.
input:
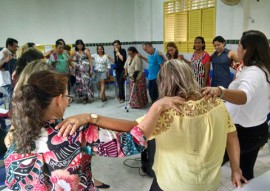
(181, 56)
(160, 53)
(236, 178)
(13, 75)
(91, 73)
(211, 92)
(167, 103)
(139, 55)
(7, 58)
(71, 124)
(116, 50)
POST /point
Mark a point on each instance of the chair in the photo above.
(2, 176)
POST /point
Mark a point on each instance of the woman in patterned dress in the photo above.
(135, 71)
(83, 72)
(39, 159)
(200, 62)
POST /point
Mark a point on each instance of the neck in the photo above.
(52, 113)
(199, 51)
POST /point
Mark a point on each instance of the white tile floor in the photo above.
(122, 178)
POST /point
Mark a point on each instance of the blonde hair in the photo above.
(22, 49)
(176, 79)
(32, 67)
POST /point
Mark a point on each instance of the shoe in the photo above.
(104, 99)
(103, 186)
(122, 101)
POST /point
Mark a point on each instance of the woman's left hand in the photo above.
(237, 177)
(211, 92)
(71, 124)
(167, 103)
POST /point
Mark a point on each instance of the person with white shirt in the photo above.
(102, 69)
(7, 61)
(248, 98)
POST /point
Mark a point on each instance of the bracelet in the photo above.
(222, 91)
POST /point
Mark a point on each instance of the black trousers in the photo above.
(120, 82)
(155, 186)
(251, 140)
(147, 158)
(153, 90)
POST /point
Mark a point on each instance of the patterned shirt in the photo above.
(57, 163)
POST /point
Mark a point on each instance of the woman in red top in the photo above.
(200, 62)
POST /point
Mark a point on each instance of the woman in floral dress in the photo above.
(83, 72)
(39, 159)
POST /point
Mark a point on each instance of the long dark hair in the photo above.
(30, 104)
(100, 45)
(257, 51)
(175, 56)
(79, 42)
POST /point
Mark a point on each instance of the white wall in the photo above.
(231, 21)
(44, 21)
(148, 20)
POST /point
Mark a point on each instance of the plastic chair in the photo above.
(2, 176)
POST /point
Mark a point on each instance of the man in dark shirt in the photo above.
(120, 57)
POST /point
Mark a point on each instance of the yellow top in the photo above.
(190, 146)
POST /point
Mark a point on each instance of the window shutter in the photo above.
(208, 28)
(194, 27)
(181, 21)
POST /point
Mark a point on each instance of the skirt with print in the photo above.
(138, 98)
(83, 84)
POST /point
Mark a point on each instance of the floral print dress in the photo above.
(83, 83)
(57, 163)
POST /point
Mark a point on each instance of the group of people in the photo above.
(191, 124)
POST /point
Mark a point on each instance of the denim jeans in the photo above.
(9, 91)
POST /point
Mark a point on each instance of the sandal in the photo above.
(103, 186)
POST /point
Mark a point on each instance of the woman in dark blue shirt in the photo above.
(221, 63)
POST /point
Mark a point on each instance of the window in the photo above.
(186, 19)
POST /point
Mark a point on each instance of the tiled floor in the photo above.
(122, 178)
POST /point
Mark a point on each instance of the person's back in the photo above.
(190, 146)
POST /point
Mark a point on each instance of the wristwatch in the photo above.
(94, 118)
(222, 91)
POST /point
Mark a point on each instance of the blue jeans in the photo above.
(9, 91)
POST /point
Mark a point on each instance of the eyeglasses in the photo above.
(70, 98)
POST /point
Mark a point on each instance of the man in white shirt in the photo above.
(7, 61)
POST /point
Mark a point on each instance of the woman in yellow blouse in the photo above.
(189, 144)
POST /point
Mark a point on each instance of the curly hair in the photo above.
(176, 79)
(30, 104)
